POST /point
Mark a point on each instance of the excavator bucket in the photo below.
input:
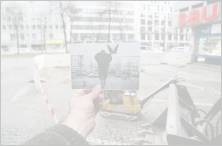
(181, 123)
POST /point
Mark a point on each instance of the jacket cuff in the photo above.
(69, 134)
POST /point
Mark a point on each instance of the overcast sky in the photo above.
(124, 49)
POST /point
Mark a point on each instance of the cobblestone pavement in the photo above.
(28, 114)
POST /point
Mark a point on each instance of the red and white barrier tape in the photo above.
(43, 94)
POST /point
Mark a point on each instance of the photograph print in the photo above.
(115, 66)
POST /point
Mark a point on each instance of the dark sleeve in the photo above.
(59, 134)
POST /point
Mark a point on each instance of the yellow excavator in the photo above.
(126, 104)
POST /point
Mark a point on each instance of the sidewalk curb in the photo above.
(208, 65)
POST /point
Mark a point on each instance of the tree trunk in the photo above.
(44, 40)
(70, 36)
(64, 32)
(122, 35)
(17, 35)
(109, 25)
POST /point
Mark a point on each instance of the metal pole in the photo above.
(164, 31)
(41, 27)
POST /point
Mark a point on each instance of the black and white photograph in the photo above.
(115, 66)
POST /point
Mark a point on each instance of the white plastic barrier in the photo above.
(53, 60)
(177, 58)
(151, 57)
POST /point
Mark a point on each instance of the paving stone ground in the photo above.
(29, 115)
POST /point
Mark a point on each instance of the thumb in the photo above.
(95, 92)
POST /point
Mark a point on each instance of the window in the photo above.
(162, 23)
(181, 30)
(56, 26)
(156, 22)
(27, 27)
(148, 7)
(22, 36)
(143, 7)
(50, 26)
(3, 27)
(142, 15)
(142, 36)
(149, 22)
(10, 27)
(129, 21)
(33, 27)
(181, 37)
(149, 28)
(197, 5)
(21, 27)
(75, 37)
(50, 36)
(184, 9)
(142, 29)
(142, 21)
(169, 23)
(27, 35)
(156, 36)
(33, 36)
(169, 37)
(210, 46)
(12, 37)
(130, 36)
(39, 26)
(143, 48)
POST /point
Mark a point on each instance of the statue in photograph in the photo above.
(103, 60)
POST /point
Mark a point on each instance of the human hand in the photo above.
(83, 108)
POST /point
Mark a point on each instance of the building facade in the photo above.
(203, 19)
(156, 24)
(148, 22)
(91, 26)
(30, 28)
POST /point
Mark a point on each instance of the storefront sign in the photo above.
(53, 42)
(209, 13)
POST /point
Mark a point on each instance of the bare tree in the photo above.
(111, 10)
(99, 25)
(128, 64)
(122, 26)
(118, 65)
(67, 11)
(14, 14)
(45, 13)
(91, 65)
(73, 14)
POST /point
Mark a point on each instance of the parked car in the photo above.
(179, 49)
(135, 74)
(81, 73)
(94, 75)
(118, 74)
(148, 48)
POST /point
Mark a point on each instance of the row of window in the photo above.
(156, 22)
(156, 8)
(156, 16)
(98, 19)
(161, 37)
(23, 36)
(100, 27)
(100, 3)
(101, 36)
(33, 27)
(104, 11)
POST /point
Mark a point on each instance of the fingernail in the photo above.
(98, 87)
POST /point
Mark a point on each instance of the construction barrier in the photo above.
(171, 58)
(39, 63)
